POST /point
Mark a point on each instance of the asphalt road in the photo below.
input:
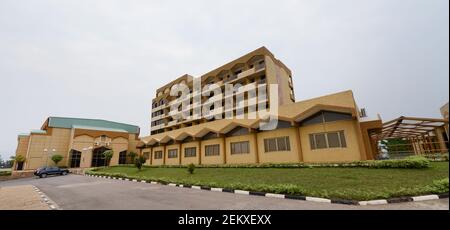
(76, 192)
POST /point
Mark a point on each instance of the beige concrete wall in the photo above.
(241, 158)
(282, 156)
(118, 145)
(57, 139)
(84, 142)
(22, 145)
(157, 161)
(351, 153)
(190, 160)
(209, 160)
(277, 75)
(173, 161)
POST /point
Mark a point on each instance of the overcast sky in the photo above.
(105, 59)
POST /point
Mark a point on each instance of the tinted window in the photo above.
(331, 116)
(238, 131)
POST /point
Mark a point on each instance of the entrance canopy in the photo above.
(410, 127)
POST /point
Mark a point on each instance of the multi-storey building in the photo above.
(325, 129)
(259, 68)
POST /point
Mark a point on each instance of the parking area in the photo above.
(75, 192)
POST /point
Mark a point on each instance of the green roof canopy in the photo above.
(69, 123)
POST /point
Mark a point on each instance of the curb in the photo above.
(291, 197)
(44, 198)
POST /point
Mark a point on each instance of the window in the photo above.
(240, 148)
(173, 153)
(326, 116)
(146, 155)
(212, 150)
(238, 131)
(123, 158)
(75, 159)
(327, 140)
(158, 154)
(277, 144)
(190, 152)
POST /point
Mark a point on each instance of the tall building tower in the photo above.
(259, 68)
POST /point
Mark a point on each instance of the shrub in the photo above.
(132, 156)
(413, 162)
(5, 173)
(57, 158)
(440, 186)
(138, 162)
(19, 159)
(191, 168)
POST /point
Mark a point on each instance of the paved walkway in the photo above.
(75, 192)
(22, 197)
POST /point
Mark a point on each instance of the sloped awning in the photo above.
(410, 127)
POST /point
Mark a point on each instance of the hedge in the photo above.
(413, 162)
(5, 173)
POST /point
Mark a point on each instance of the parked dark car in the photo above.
(46, 171)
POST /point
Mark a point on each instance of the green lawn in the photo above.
(5, 170)
(346, 183)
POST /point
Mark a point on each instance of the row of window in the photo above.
(279, 144)
(327, 140)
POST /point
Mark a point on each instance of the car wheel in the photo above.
(43, 175)
(64, 173)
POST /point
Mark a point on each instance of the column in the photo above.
(442, 145)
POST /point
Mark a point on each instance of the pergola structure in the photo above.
(426, 135)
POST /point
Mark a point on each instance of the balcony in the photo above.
(158, 108)
(257, 69)
(157, 127)
(159, 117)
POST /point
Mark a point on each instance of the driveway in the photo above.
(76, 192)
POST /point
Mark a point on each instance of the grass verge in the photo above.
(339, 183)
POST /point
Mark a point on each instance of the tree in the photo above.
(191, 168)
(108, 155)
(132, 156)
(57, 158)
(139, 162)
(19, 160)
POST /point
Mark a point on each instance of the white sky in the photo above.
(105, 59)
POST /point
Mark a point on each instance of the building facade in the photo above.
(261, 124)
(81, 142)
(325, 129)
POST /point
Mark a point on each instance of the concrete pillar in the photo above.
(255, 139)
(164, 155)
(224, 149)
(200, 151)
(299, 143)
